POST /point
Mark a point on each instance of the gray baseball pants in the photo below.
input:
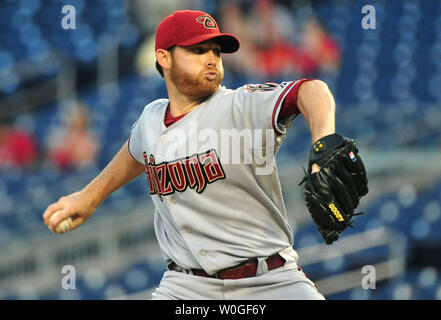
(284, 283)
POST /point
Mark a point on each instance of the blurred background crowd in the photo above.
(68, 99)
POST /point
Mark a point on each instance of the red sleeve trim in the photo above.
(287, 102)
(289, 105)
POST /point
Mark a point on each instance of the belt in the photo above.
(244, 270)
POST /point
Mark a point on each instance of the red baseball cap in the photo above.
(188, 27)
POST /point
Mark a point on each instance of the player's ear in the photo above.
(164, 58)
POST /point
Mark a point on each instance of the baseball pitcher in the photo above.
(208, 154)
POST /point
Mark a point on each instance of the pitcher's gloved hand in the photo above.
(333, 193)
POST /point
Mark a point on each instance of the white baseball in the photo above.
(63, 226)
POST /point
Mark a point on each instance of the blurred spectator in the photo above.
(74, 147)
(234, 20)
(267, 47)
(272, 46)
(145, 58)
(147, 14)
(320, 47)
(17, 148)
(276, 53)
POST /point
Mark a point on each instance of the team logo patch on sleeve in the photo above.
(268, 86)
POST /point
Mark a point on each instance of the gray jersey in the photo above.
(214, 208)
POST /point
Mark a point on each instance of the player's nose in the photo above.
(212, 58)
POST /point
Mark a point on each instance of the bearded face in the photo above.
(196, 80)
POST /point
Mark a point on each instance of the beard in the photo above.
(197, 87)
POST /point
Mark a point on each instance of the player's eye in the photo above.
(202, 50)
(198, 50)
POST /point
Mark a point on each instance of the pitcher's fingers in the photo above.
(50, 210)
(62, 215)
(77, 220)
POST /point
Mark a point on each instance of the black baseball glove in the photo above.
(333, 193)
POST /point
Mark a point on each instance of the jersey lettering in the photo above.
(166, 186)
(194, 168)
(213, 171)
(195, 172)
(150, 175)
(177, 176)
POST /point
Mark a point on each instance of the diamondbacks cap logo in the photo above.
(207, 21)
